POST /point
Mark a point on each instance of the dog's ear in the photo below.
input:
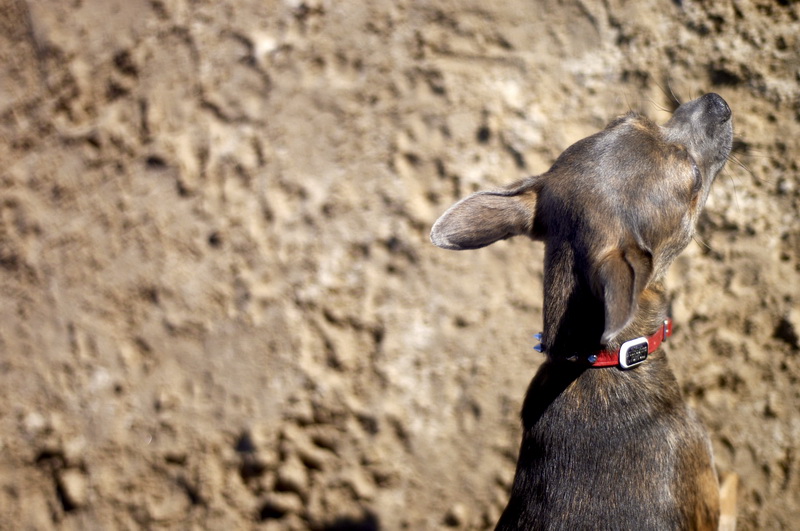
(622, 276)
(486, 217)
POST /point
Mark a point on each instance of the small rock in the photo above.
(279, 504)
(74, 486)
(788, 328)
(292, 476)
(362, 486)
(456, 516)
(34, 423)
(74, 450)
(775, 406)
(297, 441)
(793, 318)
(326, 437)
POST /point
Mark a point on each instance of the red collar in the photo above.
(630, 354)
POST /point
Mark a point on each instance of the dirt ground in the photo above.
(220, 307)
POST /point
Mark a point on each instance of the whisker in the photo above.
(658, 106)
(732, 158)
(700, 242)
(735, 192)
(627, 100)
(673, 99)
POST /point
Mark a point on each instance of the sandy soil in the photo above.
(220, 308)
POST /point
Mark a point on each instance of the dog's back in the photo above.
(602, 450)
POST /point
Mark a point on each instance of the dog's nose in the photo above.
(717, 106)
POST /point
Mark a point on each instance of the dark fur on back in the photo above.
(629, 455)
(612, 449)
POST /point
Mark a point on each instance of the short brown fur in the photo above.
(608, 448)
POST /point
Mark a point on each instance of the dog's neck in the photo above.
(574, 315)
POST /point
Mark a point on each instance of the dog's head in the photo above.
(618, 206)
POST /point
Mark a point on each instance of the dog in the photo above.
(608, 441)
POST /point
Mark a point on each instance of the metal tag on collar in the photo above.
(633, 352)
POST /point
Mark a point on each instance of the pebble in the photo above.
(362, 486)
(296, 440)
(282, 503)
(293, 476)
(793, 320)
(34, 423)
(75, 486)
(456, 516)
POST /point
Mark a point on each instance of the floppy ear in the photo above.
(485, 217)
(622, 276)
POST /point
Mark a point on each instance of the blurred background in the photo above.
(220, 307)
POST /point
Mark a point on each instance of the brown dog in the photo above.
(614, 447)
